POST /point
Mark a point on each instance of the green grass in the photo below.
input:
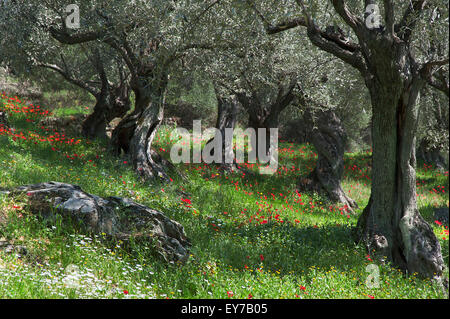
(252, 236)
(67, 102)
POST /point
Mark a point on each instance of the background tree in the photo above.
(433, 129)
(328, 136)
(227, 108)
(96, 69)
(112, 99)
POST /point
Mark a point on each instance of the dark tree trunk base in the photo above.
(226, 119)
(111, 103)
(328, 186)
(94, 126)
(134, 136)
(149, 166)
(430, 155)
(4, 119)
(414, 248)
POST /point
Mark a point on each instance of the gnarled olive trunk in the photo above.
(431, 155)
(95, 124)
(263, 119)
(264, 107)
(226, 113)
(135, 133)
(328, 137)
(391, 225)
(226, 119)
(111, 102)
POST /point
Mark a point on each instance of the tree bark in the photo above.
(264, 118)
(110, 103)
(226, 119)
(135, 133)
(226, 113)
(95, 124)
(328, 137)
(264, 110)
(391, 225)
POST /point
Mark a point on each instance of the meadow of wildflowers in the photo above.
(253, 236)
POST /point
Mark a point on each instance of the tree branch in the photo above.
(197, 18)
(389, 16)
(285, 95)
(435, 63)
(329, 40)
(434, 75)
(348, 52)
(350, 19)
(286, 25)
(70, 79)
(439, 82)
(259, 14)
(409, 21)
(75, 38)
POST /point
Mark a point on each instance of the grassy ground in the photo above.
(252, 236)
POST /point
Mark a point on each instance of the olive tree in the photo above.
(28, 46)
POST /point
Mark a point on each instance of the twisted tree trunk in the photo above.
(110, 103)
(226, 119)
(265, 115)
(328, 137)
(135, 133)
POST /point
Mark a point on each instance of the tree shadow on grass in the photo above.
(283, 248)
